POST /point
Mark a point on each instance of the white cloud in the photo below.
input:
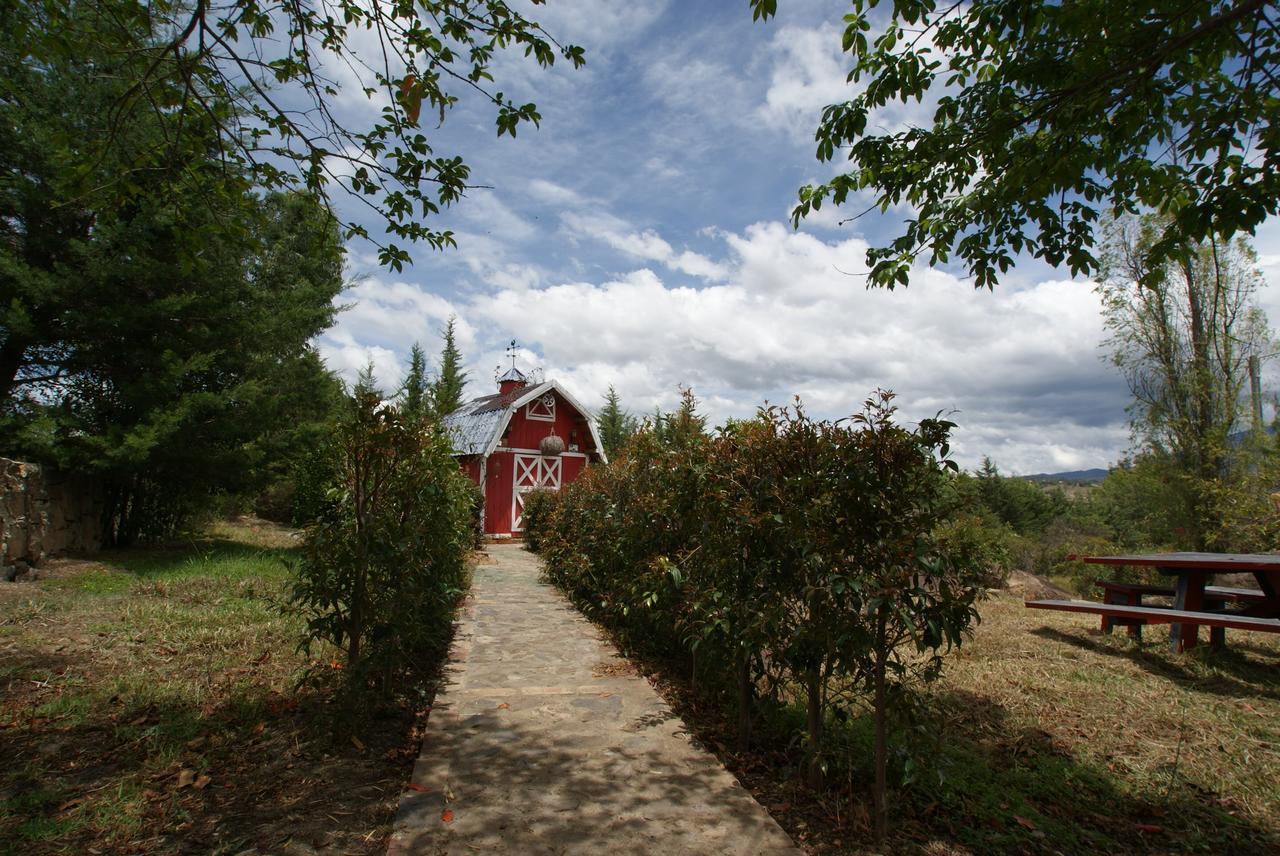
(344, 355)
(488, 213)
(1015, 364)
(379, 323)
(646, 244)
(595, 24)
(809, 73)
(553, 194)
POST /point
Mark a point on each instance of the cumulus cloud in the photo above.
(810, 72)
(1021, 368)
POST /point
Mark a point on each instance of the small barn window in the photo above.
(543, 409)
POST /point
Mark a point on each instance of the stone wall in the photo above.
(44, 513)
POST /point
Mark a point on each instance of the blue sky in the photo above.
(641, 238)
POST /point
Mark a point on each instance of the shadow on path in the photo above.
(539, 745)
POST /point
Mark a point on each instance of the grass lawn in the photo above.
(1045, 736)
(150, 702)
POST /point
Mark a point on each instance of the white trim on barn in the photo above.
(533, 393)
(532, 472)
(538, 452)
(542, 408)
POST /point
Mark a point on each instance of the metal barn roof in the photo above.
(477, 425)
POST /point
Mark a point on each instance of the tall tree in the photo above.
(1046, 116)
(446, 389)
(264, 77)
(414, 393)
(616, 424)
(146, 341)
(1182, 335)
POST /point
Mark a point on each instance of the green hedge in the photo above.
(786, 557)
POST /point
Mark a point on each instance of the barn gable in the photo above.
(502, 443)
(478, 426)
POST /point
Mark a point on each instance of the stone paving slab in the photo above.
(543, 742)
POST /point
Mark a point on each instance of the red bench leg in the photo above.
(1190, 596)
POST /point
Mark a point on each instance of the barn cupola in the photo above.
(513, 379)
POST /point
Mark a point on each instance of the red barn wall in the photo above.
(525, 433)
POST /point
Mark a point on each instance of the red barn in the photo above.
(522, 438)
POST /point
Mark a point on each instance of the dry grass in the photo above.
(151, 703)
(1149, 750)
(1045, 736)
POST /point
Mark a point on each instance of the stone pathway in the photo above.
(543, 741)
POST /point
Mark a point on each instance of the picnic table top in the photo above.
(1194, 561)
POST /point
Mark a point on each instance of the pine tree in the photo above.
(413, 395)
(446, 389)
(616, 425)
(366, 382)
(686, 423)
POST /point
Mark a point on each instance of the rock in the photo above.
(44, 513)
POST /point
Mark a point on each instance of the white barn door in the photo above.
(533, 472)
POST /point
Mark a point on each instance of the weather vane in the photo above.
(511, 352)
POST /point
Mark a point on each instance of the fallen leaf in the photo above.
(356, 742)
(1024, 823)
(71, 803)
(414, 786)
(1148, 827)
(186, 777)
(201, 783)
(447, 817)
(259, 728)
(141, 720)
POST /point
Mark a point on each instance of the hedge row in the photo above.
(787, 558)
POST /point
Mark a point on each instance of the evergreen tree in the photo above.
(413, 396)
(366, 382)
(157, 342)
(446, 389)
(684, 425)
(616, 425)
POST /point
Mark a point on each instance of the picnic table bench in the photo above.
(1194, 602)
(1131, 594)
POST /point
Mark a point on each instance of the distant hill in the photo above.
(1094, 475)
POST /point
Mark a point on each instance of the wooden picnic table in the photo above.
(1193, 571)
